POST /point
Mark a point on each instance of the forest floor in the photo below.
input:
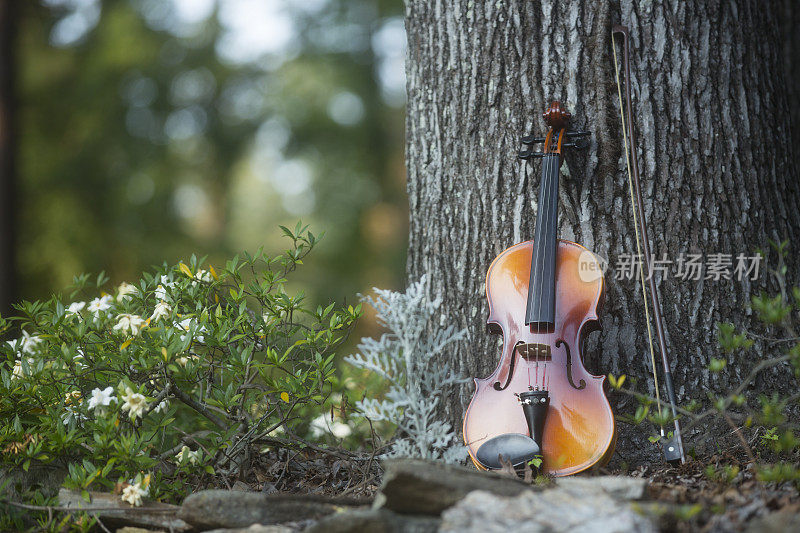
(720, 493)
(717, 493)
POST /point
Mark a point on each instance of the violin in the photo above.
(543, 296)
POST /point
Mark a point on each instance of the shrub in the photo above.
(406, 357)
(766, 419)
(169, 379)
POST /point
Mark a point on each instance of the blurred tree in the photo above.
(154, 129)
(7, 156)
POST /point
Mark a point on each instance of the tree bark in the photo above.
(7, 157)
(790, 21)
(714, 147)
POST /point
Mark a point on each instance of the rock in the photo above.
(375, 521)
(620, 487)
(787, 519)
(129, 529)
(116, 513)
(256, 528)
(573, 508)
(210, 509)
(414, 486)
(47, 478)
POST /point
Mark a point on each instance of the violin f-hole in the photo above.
(559, 342)
(497, 385)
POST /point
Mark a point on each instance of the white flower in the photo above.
(102, 398)
(184, 359)
(27, 343)
(163, 310)
(17, 372)
(323, 424)
(163, 406)
(191, 456)
(135, 403)
(75, 308)
(101, 304)
(202, 275)
(161, 290)
(129, 324)
(133, 494)
(71, 401)
(78, 359)
(125, 290)
(71, 415)
(189, 325)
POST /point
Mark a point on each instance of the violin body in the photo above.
(579, 429)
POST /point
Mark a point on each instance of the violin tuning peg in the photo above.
(530, 139)
(527, 154)
(577, 133)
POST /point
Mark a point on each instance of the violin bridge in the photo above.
(534, 351)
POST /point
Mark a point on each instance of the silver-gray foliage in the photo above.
(409, 359)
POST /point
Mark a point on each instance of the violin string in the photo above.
(628, 155)
(540, 246)
(552, 201)
(535, 254)
(546, 170)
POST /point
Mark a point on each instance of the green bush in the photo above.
(762, 426)
(169, 380)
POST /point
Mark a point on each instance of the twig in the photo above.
(101, 524)
(200, 408)
(362, 484)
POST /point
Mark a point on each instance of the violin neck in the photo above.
(540, 313)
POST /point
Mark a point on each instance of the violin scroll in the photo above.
(557, 118)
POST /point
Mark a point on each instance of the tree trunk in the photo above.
(7, 155)
(714, 147)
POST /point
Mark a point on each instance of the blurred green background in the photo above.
(149, 130)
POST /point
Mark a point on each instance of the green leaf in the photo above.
(717, 365)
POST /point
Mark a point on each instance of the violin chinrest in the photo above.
(514, 447)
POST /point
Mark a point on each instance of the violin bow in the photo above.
(672, 447)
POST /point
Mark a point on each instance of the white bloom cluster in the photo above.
(407, 358)
(202, 275)
(189, 325)
(188, 455)
(133, 494)
(162, 290)
(163, 405)
(27, 344)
